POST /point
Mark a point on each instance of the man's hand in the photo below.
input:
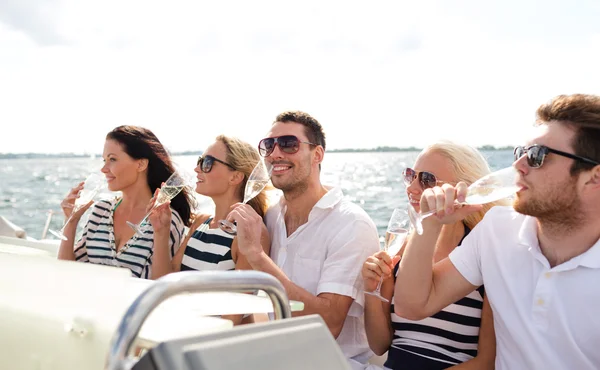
(249, 229)
(448, 201)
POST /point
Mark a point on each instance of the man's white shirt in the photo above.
(544, 318)
(325, 255)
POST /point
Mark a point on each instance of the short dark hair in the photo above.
(581, 112)
(138, 143)
(312, 127)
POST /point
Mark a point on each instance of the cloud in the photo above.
(385, 73)
(36, 19)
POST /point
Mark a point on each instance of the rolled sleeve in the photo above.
(80, 248)
(176, 232)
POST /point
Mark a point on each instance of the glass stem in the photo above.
(378, 289)
(75, 209)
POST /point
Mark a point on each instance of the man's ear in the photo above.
(594, 178)
(319, 154)
(142, 164)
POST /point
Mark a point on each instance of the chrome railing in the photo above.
(188, 282)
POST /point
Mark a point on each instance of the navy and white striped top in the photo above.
(208, 249)
(447, 338)
(97, 243)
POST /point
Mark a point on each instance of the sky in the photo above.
(380, 73)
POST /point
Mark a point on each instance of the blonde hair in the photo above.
(468, 165)
(244, 157)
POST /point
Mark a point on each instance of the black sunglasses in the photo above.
(206, 163)
(426, 179)
(289, 144)
(537, 153)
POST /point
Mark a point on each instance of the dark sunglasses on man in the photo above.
(206, 163)
(537, 153)
(426, 179)
(288, 144)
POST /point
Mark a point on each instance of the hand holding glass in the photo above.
(168, 191)
(395, 235)
(257, 181)
(91, 186)
(490, 188)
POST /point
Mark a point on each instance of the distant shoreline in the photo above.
(379, 149)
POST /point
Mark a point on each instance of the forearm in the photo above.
(416, 267)
(312, 304)
(476, 363)
(65, 251)
(378, 323)
(161, 259)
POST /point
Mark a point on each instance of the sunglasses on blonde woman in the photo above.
(426, 179)
(206, 163)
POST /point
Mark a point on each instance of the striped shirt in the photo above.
(97, 243)
(447, 338)
(208, 249)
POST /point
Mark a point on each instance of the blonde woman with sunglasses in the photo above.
(461, 334)
(222, 173)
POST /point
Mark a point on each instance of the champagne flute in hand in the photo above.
(395, 235)
(91, 186)
(490, 188)
(258, 179)
(168, 191)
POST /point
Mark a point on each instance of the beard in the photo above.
(294, 185)
(560, 206)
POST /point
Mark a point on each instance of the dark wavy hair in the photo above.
(138, 143)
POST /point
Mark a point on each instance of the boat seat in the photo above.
(292, 344)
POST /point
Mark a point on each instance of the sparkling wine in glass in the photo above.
(490, 188)
(91, 186)
(395, 235)
(257, 181)
(168, 191)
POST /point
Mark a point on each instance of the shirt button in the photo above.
(548, 275)
(540, 302)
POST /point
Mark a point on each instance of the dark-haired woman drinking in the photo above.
(136, 164)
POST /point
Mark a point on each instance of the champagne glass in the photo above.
(168, 191)
(258, 179)
(490, 188)
(91, 186)
(395, 235)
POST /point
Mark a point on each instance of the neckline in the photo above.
(111, 233)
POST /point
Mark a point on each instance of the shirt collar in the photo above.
(591, 257)
(528, 237)
(333, 196)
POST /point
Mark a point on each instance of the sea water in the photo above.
(31, 188)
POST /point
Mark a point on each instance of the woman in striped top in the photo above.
(461, 334)
(136, 164)
(223, 171)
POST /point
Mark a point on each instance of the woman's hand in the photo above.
(160, 217)
(68, 204)
(377, 266)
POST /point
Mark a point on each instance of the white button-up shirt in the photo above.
(545, 318)
(326, 254)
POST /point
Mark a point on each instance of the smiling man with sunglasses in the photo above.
(539, 259)
(319, 238)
